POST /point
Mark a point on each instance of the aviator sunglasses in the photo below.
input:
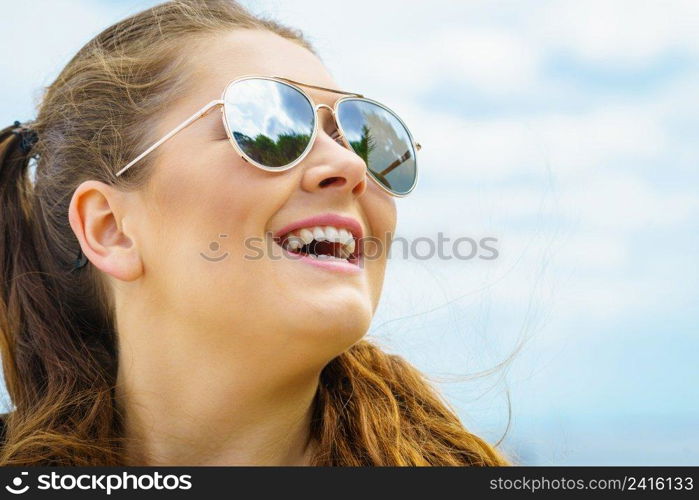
(272, 123)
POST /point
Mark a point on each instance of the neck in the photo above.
(187, 406)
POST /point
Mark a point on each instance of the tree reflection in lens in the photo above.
(272, 153)
(383, 143)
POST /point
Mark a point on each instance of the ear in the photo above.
(97, 218)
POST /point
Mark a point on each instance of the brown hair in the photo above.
(58, 339)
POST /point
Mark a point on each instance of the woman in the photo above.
(182, 289)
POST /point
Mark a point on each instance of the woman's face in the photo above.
(203, 223)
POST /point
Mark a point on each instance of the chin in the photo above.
(332, 326)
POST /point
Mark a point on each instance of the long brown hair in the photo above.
(58, 339)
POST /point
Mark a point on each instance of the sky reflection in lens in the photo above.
(271, 122)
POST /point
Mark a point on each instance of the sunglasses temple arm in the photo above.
(202, 112)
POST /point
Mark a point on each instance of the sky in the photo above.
(566, 130)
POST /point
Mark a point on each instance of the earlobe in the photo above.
(96, 215)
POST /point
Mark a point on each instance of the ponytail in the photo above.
(17, 250)
(57, 375)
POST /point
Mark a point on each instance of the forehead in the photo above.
(228, 56)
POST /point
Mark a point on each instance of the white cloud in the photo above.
(622, 32)
(628, 204)
(493, 61)
(571, 145)
(601, 139)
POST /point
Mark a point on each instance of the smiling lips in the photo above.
(323, 239)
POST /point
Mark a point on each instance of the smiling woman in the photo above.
(134, 328)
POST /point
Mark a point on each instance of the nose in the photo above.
(332, 166)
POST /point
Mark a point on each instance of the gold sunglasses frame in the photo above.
(316, 107)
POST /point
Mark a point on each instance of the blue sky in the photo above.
(566, 129)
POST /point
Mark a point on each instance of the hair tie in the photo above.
(27, 136)
(80, 260)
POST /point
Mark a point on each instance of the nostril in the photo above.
(360, 187)
(337, 181)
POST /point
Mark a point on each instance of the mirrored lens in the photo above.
(271, 122)
(381, 139)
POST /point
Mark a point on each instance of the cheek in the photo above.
(191, 207)
(200, 213)
(380, 213)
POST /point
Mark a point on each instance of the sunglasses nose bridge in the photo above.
(318, 106)
(332, 112)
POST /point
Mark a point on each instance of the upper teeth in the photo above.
(297, 239)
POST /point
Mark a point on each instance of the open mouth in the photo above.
(329, 243)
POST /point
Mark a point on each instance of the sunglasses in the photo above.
(272, 124)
